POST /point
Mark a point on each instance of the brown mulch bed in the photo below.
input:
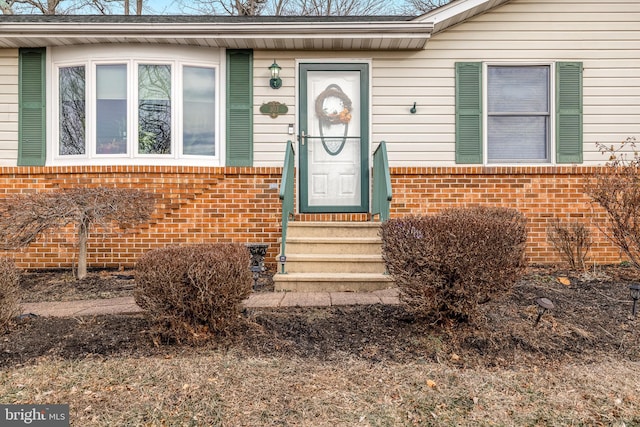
(591, 321)
(61, 285)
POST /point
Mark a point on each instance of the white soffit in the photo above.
(409, 34)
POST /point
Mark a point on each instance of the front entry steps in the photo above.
(333, 257)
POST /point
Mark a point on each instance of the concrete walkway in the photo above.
(127, 305)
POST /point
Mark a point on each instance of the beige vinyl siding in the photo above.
(424, 138)
(271, 134)
(604, 36)
(8, 107)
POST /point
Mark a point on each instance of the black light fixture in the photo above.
(635, 295)
(543, 305)
(257, 252)
(276, 81)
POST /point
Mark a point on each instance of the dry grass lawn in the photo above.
(213, 388)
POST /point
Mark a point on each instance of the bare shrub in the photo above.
(193, 293)
(617, 190)
(23, 217)
(9, 292)
(572, 241)
(447, 264)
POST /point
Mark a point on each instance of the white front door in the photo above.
(333, 139)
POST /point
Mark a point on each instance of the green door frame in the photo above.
(363, 68)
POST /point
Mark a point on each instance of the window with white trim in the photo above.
(132, 109)
(518, 114)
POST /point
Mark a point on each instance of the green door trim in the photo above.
(363, 68)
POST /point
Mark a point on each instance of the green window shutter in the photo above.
(468, 112)
(31, 117)
(569, 112)
(239, 108)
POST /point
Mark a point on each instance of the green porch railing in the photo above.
(287, 197)
(381, 203)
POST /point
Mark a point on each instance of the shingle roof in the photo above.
(195, 19)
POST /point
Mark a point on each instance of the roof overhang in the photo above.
(458, 11)
(235, 34)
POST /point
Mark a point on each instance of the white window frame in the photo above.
(485, 113)
(132, 56)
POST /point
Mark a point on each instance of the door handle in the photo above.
(303, 136)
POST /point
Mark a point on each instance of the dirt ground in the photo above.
(591, 321)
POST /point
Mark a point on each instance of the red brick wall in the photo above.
(540, 193)
(197, 204)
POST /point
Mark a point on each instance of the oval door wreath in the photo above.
(337, 114)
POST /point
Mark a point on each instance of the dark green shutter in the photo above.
(569, 112)
(468, 112)
(31, 98)
(239, 108)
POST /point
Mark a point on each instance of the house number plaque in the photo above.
(274, 109)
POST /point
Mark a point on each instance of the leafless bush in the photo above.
(193, 293)
(617, 190)
(572, 241)
(24, 217)
(9, 292)
(446, 265)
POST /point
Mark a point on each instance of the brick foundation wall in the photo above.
(194, 205)
(197, 205)
(540, 193)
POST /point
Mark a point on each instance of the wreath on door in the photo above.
(337, 114)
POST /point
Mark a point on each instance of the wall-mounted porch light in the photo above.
(276, 81)
(635, 295)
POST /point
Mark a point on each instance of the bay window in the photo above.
(125, 110)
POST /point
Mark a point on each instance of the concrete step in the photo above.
(335, 263)
(333, 229)
(333, 245)
(333, 256)
(332, 282)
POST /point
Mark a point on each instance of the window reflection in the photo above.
(154, 109)
(72, 110)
